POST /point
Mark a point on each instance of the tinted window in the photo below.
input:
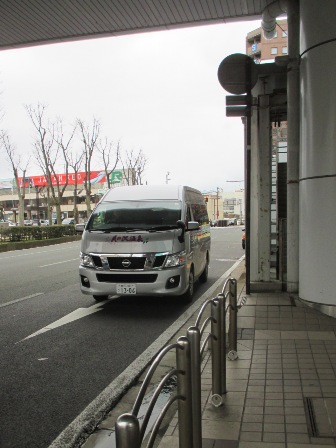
(200, 213)
(135, 214)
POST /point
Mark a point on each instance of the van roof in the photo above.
(138, 192)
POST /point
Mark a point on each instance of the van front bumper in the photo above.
(170, 282)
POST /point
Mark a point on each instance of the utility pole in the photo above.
(167, 177)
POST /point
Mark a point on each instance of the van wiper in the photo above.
(123, 229)
(162, 227)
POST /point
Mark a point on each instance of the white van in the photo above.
(146, 240)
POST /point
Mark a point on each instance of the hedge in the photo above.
(33, 233)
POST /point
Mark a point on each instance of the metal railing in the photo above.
(189, 351)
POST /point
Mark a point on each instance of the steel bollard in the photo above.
(127, 432)
(216, 351)
(233, 320)
(222, 310)
(194, 337)
(184, 390)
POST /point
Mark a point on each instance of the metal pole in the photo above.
(216, 354)
(194, 337)
(233, 317)
(248, 197)
(222, 305)
(184, 389)
(127, 432)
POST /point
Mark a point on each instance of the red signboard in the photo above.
(41, 181)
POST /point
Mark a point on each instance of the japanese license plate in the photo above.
(126, 288)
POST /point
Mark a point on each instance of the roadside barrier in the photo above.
(189, 351)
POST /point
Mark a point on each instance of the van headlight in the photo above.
(86, 260)
(178, 259)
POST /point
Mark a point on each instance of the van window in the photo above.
(135, 215)
(200, 213)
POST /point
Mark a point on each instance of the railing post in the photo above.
(222, 305)
(127, 431)
(233, 319)
(194, 337)
(184, 390)
(216, 354)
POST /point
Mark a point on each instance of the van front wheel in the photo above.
(100, 298)
(188, 295)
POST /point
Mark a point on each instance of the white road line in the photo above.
(25, 253)
(75, 315)
(59, 262)
(22, 298)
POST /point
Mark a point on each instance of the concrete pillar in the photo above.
(265, 179)
(318, 152)
(254, 216)
(293, 152)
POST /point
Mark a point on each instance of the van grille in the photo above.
(135, 262)
(128, 262)
(127, 278)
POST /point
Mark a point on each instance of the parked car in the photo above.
(11, 223)
(81, 225)
(27, 222)
(44, 222)
(68, 221)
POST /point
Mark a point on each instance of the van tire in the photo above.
(204, 276)
(188, 295)
(100, 298)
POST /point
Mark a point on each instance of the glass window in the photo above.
(284, 50)
(130, 215)
(275, 35)
(200, 213)
(284, 33)
(274, 50)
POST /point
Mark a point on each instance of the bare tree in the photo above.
(15, 162)
(63, 145)
(75, 162)
(90, 138)
(133, 166)
(51, 148)
(44, 149)
(106, 150)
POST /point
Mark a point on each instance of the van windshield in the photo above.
(135, 215)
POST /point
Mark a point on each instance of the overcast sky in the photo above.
(157, 92)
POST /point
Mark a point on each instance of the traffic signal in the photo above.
(206, 198)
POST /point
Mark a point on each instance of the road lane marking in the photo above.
(75, 315)
(22, 252)
(22, 298)
(59, 262)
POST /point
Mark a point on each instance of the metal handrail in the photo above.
(189, 353)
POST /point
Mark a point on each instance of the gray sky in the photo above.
(157, 92)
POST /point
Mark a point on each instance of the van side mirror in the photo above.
(180, 224)
(193, 225)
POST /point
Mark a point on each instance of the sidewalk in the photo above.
(281, 391)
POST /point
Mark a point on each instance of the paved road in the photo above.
(59, 349)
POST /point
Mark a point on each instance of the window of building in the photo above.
(274, 50)
(284, 50)
(275, 35)
(284, 33)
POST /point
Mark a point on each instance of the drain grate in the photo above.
(312, 425)
(321, 416)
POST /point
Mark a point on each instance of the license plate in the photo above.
(126, 289)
